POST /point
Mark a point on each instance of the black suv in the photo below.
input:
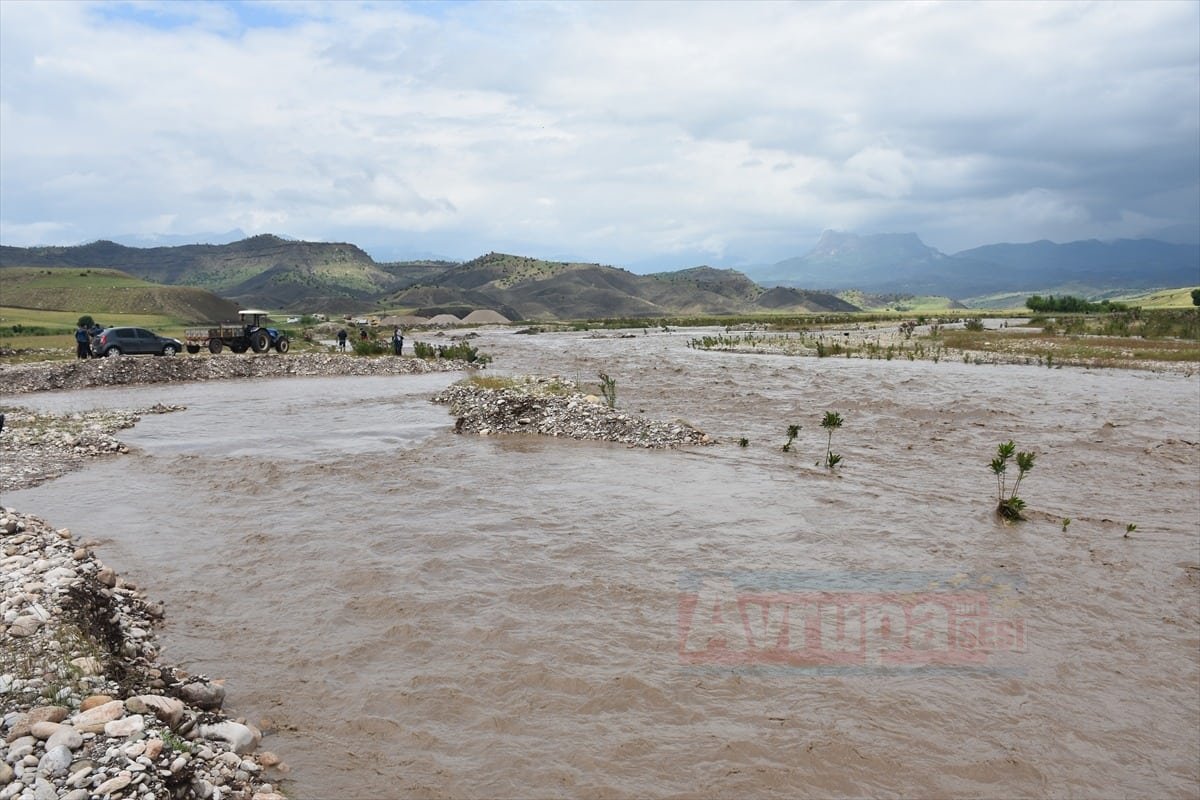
(133, 341)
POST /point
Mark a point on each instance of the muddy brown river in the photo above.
(424, 615)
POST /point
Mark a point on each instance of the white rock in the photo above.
(56, 761)
(239, 737)
(88, 665)
(44, 790)
(127, 726)
(58, 575)
(66, 736)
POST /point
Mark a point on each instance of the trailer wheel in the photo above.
(282, 344)
(238, 347)
(193, 348)
(214, 346)
(260, 340)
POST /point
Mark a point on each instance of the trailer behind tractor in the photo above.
(249, 335)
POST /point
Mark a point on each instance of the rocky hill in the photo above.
(533, 288)
(281, 274)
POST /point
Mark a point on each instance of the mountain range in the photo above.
(902, 263)
(290, 275)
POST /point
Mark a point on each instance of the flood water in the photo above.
(422, 614)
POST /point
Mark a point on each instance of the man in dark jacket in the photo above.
(83, 343)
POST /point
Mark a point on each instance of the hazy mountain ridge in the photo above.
(903, 264)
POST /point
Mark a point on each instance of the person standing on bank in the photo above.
(342, 339)
(397, 340)
(83, 343)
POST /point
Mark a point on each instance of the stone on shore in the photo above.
(241, 738)
(168, 709)
(208, 696)
(94, 720)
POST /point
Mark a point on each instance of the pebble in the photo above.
(113, 784)
(67, 736)
(56, 761)
(125, 727)
(94, 720)
(205, 695)
(168, 709)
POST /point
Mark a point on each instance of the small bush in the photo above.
(1009, 505)
(453, 352)
(974, 324)
(370, 347)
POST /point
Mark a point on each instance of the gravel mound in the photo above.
(555, 407)
(51, 375)
(35, 448)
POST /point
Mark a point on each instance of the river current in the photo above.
(418, 614)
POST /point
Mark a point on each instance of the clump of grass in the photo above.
(831, 422)
(1066, 521)
(1130, 528)
(1009, 505)
(608, 388)
(743, 442)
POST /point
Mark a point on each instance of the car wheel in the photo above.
(214, 346)
(260, 341)
(170, 350)
(282, 345)
(112, 351)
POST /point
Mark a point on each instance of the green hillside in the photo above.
(102, 292)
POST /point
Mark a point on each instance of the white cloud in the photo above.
(612, 132)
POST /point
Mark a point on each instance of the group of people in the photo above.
(397, 339)
(84, 336)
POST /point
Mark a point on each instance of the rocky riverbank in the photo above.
(35, 448)
(45, 376)
(89, 711)
(556, 407)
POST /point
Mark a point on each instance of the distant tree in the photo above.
(86, 321)
(1196, 297)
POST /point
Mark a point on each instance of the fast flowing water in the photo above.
(422, 614)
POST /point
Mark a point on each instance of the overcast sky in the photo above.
(631, 133)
